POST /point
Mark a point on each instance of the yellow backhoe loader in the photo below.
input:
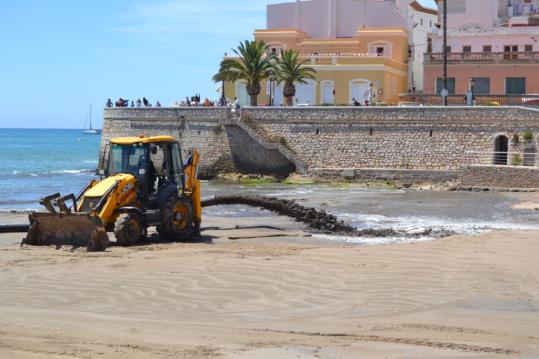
(144, 183)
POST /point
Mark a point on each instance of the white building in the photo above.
(330, 19)
(423, 23)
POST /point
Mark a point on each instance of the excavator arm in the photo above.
(192, 186)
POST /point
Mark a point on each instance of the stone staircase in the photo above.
(258, 133)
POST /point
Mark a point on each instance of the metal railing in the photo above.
(531, 10)
(522, 158)
(480, 100)
(340, 54)
(482, 57)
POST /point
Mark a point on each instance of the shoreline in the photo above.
(386, 211)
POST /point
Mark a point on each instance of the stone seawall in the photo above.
(500, 177)
(375, 142)
(419, 138)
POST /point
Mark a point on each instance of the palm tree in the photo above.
(291, 70)
(253, 65)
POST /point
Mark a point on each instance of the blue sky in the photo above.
(59, 56)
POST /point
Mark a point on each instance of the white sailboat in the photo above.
(90, 131)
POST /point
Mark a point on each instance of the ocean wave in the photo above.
(18, 211)
(437, 224)
(376, 241)
(17, 202)
(23, 174)
(236, 211)
(71, 171)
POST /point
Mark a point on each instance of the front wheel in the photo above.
(128, 229)
(176, 219)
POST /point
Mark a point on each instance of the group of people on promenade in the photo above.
(194, 101)
(126, 103)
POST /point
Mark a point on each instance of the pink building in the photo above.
(493, 42)
(330, 19)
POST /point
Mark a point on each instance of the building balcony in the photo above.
(482, 58)
(340, 55)
(350, 59)
(529, 100)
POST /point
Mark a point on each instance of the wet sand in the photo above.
(272, 292)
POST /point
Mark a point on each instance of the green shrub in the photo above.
(527, 136)
(516, 160)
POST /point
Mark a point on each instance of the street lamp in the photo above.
(271, 88)
(223, 98)
(223, 90)
(445, 49)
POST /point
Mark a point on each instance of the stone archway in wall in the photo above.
(501, 149)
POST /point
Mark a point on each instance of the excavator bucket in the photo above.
(63, 227)
(75, 229)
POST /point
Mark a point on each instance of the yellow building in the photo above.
(358, 48)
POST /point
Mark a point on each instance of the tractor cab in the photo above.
(155, 162)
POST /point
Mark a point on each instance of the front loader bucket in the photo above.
(74, 229)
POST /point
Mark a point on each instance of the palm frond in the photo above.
(253, 64)
(290, 69)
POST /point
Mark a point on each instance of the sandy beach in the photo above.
(272, 292)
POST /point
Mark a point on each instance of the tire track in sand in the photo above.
(408, 341)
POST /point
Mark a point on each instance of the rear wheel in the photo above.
(176, 219)
(128, 229)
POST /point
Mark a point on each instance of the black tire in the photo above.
(128, 229)
(176, 219)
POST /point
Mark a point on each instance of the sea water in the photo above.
(41, 162)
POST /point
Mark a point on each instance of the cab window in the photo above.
(128, 159)
(177, 164)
